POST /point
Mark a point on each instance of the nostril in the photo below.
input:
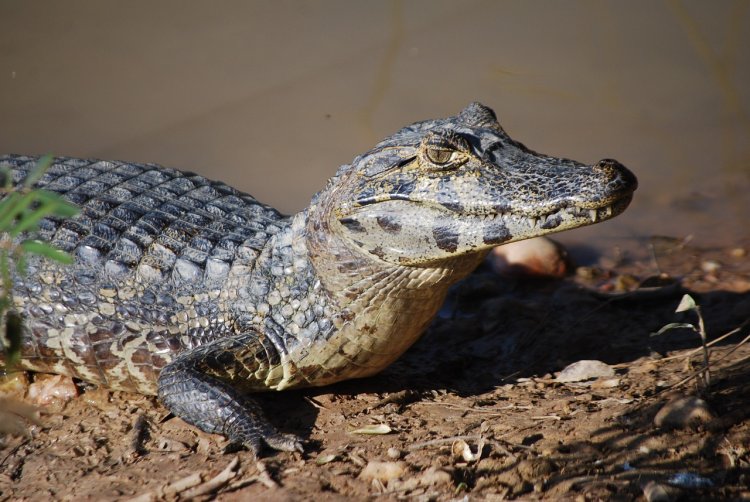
(615, 170)
(609, 164)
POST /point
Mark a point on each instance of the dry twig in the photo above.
(190, 486)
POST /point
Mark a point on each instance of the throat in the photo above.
(379, 309)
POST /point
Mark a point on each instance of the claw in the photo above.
(284, 442)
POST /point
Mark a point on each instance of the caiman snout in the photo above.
(618, 173)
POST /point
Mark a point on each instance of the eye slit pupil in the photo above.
(439, 156)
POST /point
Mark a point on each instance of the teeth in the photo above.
(535, 221)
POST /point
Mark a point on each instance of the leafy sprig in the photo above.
(22, 208)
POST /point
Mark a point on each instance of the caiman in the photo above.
(188, 289)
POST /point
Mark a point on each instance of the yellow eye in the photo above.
(444, 151)
(440, 156)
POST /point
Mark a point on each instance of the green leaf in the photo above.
(43, 249)
(687, 303)
(63, 208)
(35, 174)
(13, 333)
(5, 279)
(10, 208)
(47, 206)
(674, 325)
(30, 219)
(5, 302)
(21, 264)
(6, 178)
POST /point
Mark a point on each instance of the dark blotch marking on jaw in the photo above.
(496, 234)
(446, 239)
(453, 205)
(403, 189)
(352, 224)
(389, 224)
(446, 195)
(378, 251)
(552, 222)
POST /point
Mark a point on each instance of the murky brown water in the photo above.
(273, 96)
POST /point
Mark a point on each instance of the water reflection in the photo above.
(272, 97)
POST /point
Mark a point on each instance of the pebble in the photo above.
(585, 370)
(541, 257)
(48, 389)
(710, 266)
(435, 476)
(394, 453)
(588, 273)
(683, 412)
(14, 384)
(625, 282)
(657, 492)
(606, 383)
(325, 458)
(382, 471)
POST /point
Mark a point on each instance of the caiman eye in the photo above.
(441, 156)
(446, 150)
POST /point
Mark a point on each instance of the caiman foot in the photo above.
(216, 407)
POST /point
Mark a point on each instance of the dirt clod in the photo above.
(382, 471)
(683, 413)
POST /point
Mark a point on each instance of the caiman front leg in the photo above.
(207, 386)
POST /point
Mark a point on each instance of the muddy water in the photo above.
(273, 96)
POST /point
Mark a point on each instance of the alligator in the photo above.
(185, 288)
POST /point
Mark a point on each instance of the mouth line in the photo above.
(562, 217)
(584, 213)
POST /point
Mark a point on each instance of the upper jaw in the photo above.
(559, 218)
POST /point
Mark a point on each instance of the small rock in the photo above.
(394, 453)
(435, 476)
(683, 412)
(710, 266)
(586, 273)
(606, 383)
(540, 257)
(100, 398)
(325, 458)
(585, 370)
(48, 389)
(12, 415)
(167, 444)
(657, 492)
(14, 384)
(738, 252)
(382, 471)
(626, 282)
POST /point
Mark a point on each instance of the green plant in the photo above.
(21, 209)
(688, 304)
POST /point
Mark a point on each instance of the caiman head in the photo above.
(447, 188)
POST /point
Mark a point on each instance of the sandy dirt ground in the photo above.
(474, 411)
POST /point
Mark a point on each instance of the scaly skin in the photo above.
(190, 290)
